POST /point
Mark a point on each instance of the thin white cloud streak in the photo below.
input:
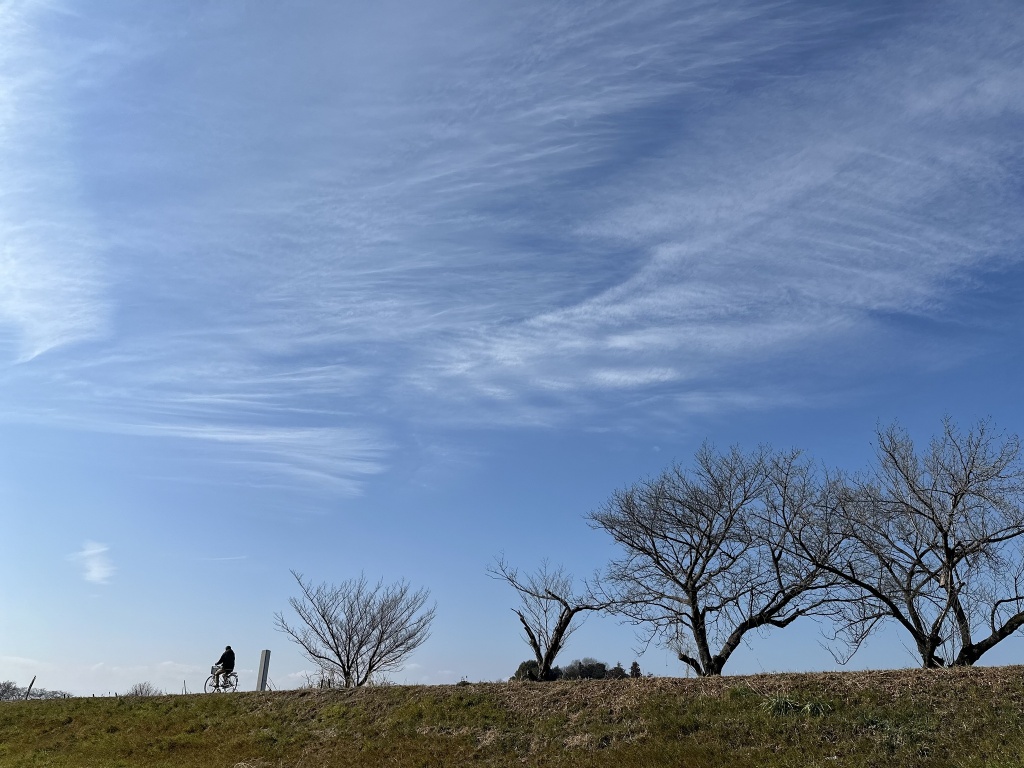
(22, 662)
(521, 218)
(96, 564)
(320, 456)
(330, 458)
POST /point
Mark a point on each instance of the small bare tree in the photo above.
(548, 609)
(355, 630)
(145, 688)
(705, 559)
(9, 691)
(933, 540)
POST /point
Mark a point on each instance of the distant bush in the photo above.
(530, 670)
(634, 671)
(9, 691)
(144, 689)
(585, 669)
(580, 669)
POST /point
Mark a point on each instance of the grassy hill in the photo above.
(966, 717)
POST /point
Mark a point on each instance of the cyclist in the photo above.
(226, 664)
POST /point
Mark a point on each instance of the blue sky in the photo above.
(397, 287)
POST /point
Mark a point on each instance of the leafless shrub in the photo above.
(144, 689)
(10, 691)
(355, 630)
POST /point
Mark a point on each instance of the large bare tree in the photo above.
(550, 609)
(931, 539)
(355, 630)
(705, 555)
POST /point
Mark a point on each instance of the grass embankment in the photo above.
(968, 717)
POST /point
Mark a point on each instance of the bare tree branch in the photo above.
(705, 553)
(929, 539)
(548, 609)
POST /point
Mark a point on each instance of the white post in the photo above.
(261, 676)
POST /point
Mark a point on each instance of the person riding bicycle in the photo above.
(225, 664)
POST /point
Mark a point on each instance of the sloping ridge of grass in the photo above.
(960, 717)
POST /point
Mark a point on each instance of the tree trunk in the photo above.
(715, 667)
(928, 648)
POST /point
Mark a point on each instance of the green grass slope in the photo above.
(966, 717)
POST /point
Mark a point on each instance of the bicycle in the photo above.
(228, 681)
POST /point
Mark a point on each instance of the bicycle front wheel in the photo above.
(211, 685)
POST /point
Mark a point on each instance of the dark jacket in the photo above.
(227, 660)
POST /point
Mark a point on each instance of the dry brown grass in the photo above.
(965, 717)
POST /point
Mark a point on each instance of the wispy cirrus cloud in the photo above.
(308, 239)
(51, 283)
(792, 216)
(96, 564)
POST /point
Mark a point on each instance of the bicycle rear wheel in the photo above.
(231, 682)
(211, 685)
